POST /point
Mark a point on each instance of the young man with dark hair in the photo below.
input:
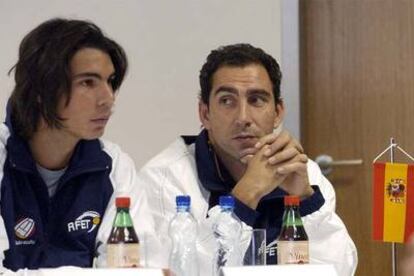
(239, 153)
(58, 179)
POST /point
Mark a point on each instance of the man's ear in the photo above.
(280, 114)
(203, 113)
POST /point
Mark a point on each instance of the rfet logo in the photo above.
(271, 249)
(24, 228)
(89, 220)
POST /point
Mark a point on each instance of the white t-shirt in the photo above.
(51, 178)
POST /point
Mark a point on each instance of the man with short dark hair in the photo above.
(58, 179)
(239, 153)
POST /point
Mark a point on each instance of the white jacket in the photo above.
(173, 172)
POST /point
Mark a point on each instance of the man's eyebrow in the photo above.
(87, 74)
(224, 88)
(92, 75)
(263, 92)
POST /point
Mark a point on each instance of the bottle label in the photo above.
(123, 255)
(293, 252)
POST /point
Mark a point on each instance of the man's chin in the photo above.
(246, 158)
(246, 154)
(247, 151)
(93, 136)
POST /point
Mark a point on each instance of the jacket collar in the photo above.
(8, 120)
(211, 172)
(88, 155)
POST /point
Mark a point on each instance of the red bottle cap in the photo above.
(122, 202)
(291, 200)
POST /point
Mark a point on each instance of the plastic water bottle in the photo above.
(183, 233)
(227, 231)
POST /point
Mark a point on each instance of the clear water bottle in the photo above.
(227, 231)
(183, 233)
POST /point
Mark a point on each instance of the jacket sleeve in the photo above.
(124, 180)
(161, 197)
(327, 231)
(4, 241)
(4, 245)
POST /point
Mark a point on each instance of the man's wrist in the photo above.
(246, 193)
(308, 192)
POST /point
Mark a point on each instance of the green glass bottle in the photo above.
(293, 244)
(123, 242)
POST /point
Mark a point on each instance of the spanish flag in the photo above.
(393, 202)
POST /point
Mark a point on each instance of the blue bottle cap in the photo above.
(226, 201)
(183, 200)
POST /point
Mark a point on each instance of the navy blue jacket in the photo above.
(51, 232)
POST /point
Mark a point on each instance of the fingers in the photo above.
(268, 139)
(296, 165)
(293, 143)
(247, 154)
(292, 168)
(286, 155)
(277, 143)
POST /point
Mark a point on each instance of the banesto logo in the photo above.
(24, 228)
(89, 220)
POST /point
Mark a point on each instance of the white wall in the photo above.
(290, 64)
(166, 42)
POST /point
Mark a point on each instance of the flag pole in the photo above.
(393, 145)
(393, 245)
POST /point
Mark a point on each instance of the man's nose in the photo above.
(244, 114)
(106, 95)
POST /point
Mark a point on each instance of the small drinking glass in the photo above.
(256, 251)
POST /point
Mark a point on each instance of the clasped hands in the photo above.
(277, 160)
